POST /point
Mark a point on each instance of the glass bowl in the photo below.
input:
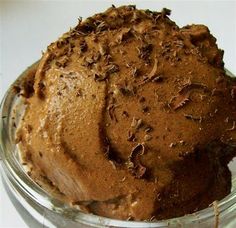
(39, 207)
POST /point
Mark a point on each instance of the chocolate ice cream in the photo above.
(132, 117)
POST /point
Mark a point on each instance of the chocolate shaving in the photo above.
(83, 46)
(184, 94)
(126, 89)
(134, 164)
(147, 137)
(113, 164)
(193, 86)
(108, 58)
(100, 77)
(194, 118)
(219, 80)
(111, 111)
(153, 219)
(131, 136)
(145, 51)
(86, 27)
(102, 26)
(124, 35)
(136, 18)
(135, 72)
(157, 78)
(153, 76)
(177, 102)
(125, 114)
(91, 59)
(154, 70)
(131, 7)
(172, 145)
(112, 68)
(148, 129)
(233, 127)
(103, 49)
(79, 19)
(61, 42)
(137, 150)
(136, 123)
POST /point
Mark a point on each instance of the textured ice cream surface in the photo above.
(132, 117)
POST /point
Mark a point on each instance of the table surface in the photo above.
(27, 27)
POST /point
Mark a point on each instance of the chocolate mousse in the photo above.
(132, 117)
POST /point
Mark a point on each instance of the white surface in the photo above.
(27, 27)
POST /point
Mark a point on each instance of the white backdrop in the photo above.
(27, 27)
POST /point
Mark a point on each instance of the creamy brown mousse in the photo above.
(132, 117)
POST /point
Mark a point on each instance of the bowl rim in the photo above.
(14, 171)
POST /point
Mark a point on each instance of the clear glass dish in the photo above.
(39, 208)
